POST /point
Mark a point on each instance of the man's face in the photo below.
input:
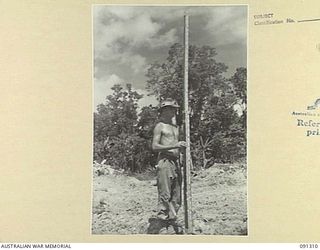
(169, 111)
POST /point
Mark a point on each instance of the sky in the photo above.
(129, 38)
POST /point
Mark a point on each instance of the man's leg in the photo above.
(176, 202)
(176, 192)
(164, 188)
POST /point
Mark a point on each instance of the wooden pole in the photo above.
(187, 179)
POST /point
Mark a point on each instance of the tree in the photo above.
(239, 84)
(218, 113)
(123, 105)
(212, 99)
(121, 135)
(116, 119)
(205, 76)
(166, 80)
(118, 114)
(147, 119)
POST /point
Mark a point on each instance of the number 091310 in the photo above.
(309, 245)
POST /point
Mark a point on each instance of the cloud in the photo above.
(146, 100)
(102, 87)
(114, 41)
(227, 25)
(116, 12)
(137, 62)
(168, 38)
(119, 31)
(128, 38)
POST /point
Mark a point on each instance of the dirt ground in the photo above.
(127, 205)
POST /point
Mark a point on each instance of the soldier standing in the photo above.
(166, 143)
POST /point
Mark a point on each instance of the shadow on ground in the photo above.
(159, 226)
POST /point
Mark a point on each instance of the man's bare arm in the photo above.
(157, 147)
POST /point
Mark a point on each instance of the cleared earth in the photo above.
(126, 205)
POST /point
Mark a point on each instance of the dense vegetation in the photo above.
(218, 113)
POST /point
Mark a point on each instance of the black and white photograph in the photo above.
(170, 120)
